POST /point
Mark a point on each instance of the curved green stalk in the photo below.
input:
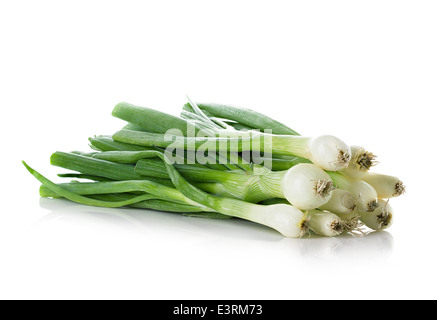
(155, 168)
(106, 143)
(233, 157)
(80, 199)
(244, 116)
(276, 144)
(128, 157)
(95, 167)
(82, 176)
(110, 187)
(162, 205)
(150, 119)
(231, 207)
(251, 188)
(146, 119)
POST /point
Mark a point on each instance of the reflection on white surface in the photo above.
(374, 246)
(141, 220)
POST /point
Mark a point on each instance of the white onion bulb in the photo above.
(306, 186)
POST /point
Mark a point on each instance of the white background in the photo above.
(365, 71)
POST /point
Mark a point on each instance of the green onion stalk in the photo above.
(306, 186)
(142, 119)
(342, 203)
(325, 223)
(153, 202)
(286, 219)
(250, 119)
(360, 163)
(246, 119)
(328, 152)
(207, 163)
(386, 186)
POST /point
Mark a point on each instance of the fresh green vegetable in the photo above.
(151, 120)
(325, 223)
(217, 161)
(306, 186)
(247, 117)
(81, 199)
(92, 166)
(253, 188)
(360, 163)
(342, 202)
(364, 193)
(328, 152)
(155, 121)
(380, 219)
(112, 187)
(284, 218)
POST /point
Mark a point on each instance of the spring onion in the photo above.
(247, 117)
(360, 163)
(342, 202)
(81, 199)
(386, 186)
(286, 219)
(351, 222)
(154, 203)
(217, 161)
(329, 152)
(150, 119)
(365, 195)
(306, 186)
(325, 223)
(381, 218)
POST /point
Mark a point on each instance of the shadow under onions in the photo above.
(362, 248)
(141, 220)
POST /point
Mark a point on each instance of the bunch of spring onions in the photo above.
(218, 161)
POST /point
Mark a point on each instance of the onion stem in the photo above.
(328, 152)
